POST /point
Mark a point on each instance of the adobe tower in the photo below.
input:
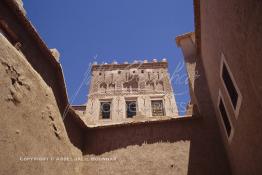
(127, 92)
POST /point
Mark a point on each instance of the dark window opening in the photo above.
(157, 108)
(100, 73)
(119, 72)
(130, 109)
(105, 110)
(230, 86)
(142, 71)
(224, 115)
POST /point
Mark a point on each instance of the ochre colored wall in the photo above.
(31, 124)
(75, 129)
(205, 155)
(32, 102)
(235, 28)
(45, 65)
(39, 59)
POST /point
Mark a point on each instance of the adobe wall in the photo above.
(31, 124)
(235, 28)
(205, 155)
(75, 129)
(41, 60)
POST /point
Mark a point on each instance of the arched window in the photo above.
(103, 87)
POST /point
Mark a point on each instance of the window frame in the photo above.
(129, 102)
(163, 107)
(239, 99)
(229, 137)
(100, 112)
(132, 99)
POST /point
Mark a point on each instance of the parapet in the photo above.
(145, 64)
(20, 5)
(55, 53)
(190, 35)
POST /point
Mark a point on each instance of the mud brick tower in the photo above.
(120, 92)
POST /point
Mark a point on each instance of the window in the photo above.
(130, 109)
(119, 72)
(230, 86)
(225, 118)
(100, 73)
(105, 108)
(142, 71)
(157, 108)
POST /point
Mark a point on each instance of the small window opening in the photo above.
(225, 118)
(233, 94)
(105, 108)
(130, 109)
(157, 108)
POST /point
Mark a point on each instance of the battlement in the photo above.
(136, 64)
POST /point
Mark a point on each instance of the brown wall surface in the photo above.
(75, 129)
(31, 124)
(39, 58)
(235, 28)
(44, 64)
(205, 155)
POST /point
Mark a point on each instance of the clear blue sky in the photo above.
(121, 30)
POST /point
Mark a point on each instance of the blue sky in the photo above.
(121, 30)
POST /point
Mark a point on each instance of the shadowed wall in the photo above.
(234, 28)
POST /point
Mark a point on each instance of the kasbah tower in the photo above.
(126, 92)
